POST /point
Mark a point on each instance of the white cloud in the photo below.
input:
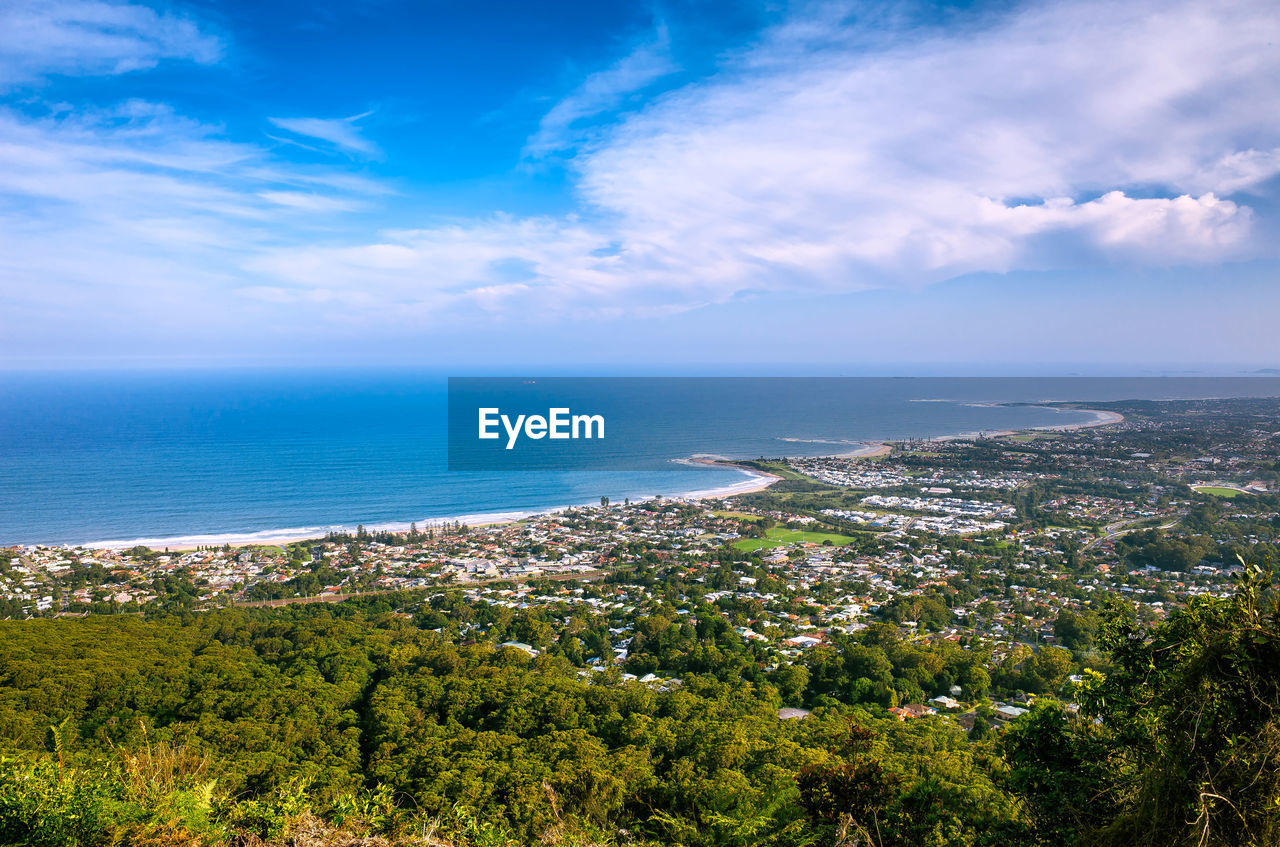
(826, 158)
(930, 159)
(83, 37)
(135, 215)
(118, 218)
(1060, 135)
(561, 127)
(307, 201)
(341, 133)
(482, 265)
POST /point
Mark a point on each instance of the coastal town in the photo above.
(1007, 545)
(813, 423)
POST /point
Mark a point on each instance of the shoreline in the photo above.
(756, 480)
(1100, 418)
(868, 450)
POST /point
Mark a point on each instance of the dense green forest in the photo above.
(359, 723)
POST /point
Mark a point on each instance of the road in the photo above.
(1115, 530)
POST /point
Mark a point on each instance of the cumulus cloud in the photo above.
(832, 158)
(827, 157)
(84, 37)
(931, 158)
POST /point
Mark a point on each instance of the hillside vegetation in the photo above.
(354, 724)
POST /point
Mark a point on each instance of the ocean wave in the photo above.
(754, 480)
(820, 440)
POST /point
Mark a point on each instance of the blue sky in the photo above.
(846, 186)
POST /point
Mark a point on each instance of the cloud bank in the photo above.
(826, 158)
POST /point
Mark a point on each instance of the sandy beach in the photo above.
(868, 450)
(1100, 418)
(279, 537)
(756, 480)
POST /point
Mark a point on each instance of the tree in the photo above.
(1193, 706)
(975, 682)
(1058, 767)
(1177, 742)
(853, 794)
(791, 680)
(1051, 665)
(1075, 631)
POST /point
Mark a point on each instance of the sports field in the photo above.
(1218, 491)
(779, 536)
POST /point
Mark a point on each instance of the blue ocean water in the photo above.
(167, 456)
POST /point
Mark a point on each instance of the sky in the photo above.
(840, 186)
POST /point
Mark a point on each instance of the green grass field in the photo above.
(1216, 491)
(777, 469)
(721, 513)
(779, 536)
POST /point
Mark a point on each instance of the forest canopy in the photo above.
(233, 724)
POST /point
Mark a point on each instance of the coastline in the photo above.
(868, 450)
(1100, 418)
(755, 480)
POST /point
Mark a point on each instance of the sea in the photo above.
(172, 459)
